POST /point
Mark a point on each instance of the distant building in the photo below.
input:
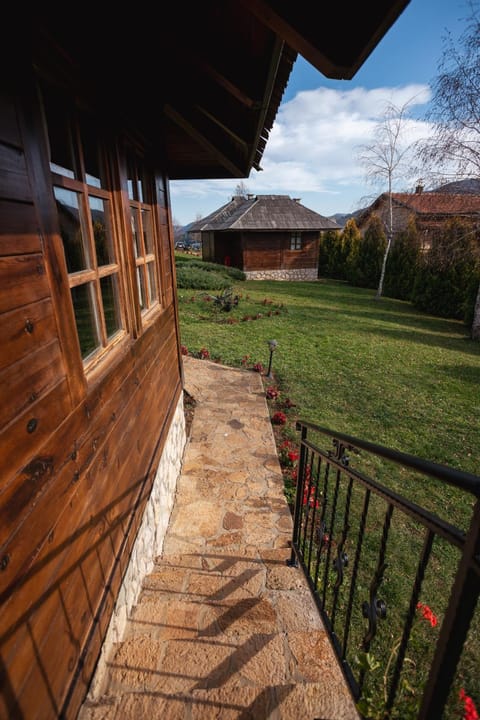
(431, 211)
(269, 237)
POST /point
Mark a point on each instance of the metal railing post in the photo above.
(298, 495)
(460, 611)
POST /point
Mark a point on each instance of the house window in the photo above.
(143, 238)
(84, 205)
(296, 241)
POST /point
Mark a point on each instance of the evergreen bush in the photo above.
(402, 263)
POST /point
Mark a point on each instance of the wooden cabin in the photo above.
(98, 113)
(431, 211)
(269, 237)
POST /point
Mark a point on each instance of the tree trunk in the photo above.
(389, 241)
(476, 318)
(384, 265)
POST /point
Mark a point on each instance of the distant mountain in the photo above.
(341, 218)
(460, 187)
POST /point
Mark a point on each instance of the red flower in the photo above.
(309, 496)
(469, 709)
(204, 354)
(279, 418)
(184, 350)
(258, 367)
(293, 456)
(272, 393)
(428, 614)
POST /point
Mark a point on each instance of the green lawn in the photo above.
(383, 372)
(376, 369)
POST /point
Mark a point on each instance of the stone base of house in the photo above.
(149, 542)
(290, 274)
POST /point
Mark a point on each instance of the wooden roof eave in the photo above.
(277, 79)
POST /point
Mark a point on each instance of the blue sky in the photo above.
(321, 124)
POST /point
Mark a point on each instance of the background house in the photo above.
(97, 114)
(269, 237)
(431, 210)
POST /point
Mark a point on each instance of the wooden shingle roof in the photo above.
(264, 213)
(438, 203)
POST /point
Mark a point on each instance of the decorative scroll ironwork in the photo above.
(313, 544)
(376, 608)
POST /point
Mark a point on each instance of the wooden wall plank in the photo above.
(82, 541)
(28, 379)
(56, 467)
(19, 229)
(21, 441)
(23, 281)
(24, 330)
(9, 132)
(77, 522)
(14, 183)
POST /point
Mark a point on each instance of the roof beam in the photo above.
(305, 32)
(211, 144)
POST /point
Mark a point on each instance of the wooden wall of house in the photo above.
(267, 251)
(228, 249)
(77, 454)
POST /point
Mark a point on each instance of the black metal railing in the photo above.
(396, 583)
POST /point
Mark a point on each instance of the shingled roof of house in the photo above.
(264, 212)
(435, 203)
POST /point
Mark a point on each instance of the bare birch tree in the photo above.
(383, 158)
(455, 114)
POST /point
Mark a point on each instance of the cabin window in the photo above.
(296, 241)
(141, 220)
(85, 214)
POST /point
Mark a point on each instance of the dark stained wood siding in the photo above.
(271, 251)
(77, 457)
(228, 249)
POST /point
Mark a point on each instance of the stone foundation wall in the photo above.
(290, 274)
(149, 542)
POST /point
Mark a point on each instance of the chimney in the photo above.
(419, 188)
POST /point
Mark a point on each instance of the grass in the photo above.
(376, 369)
(379, 370)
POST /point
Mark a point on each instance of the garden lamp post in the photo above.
(272, 344)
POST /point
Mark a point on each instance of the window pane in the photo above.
(152, 283)
(147, 230)
(99, 211)
(86, 318)
(91, 155)
(141, 288)
(59, 134)
(137, 246)
(76, 250)
(140, 190)
(111, 309)
(131, 180)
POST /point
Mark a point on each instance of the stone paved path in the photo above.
(224, 627)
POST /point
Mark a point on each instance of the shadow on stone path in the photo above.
(224, 627)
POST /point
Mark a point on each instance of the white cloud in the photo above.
(312, 151)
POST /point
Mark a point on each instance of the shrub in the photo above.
(446, 278)
(189, 270)
(402, 264)
(199, 279)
